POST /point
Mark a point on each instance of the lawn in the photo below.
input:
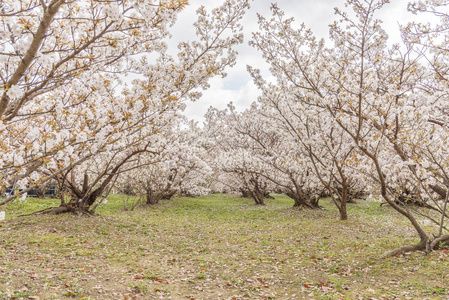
(214, 247)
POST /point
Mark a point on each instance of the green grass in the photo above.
(214, 247)
(29, 206)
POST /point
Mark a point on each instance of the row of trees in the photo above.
(336, 120)
(333, 121)
(363, 111)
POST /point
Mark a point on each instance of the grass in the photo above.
(214, 247)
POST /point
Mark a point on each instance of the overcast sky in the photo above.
(237, 86)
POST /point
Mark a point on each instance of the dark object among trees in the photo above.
(46, 190)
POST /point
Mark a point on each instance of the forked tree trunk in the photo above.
(152, 198)
(314, 202)
(258, 196)
(83, 199)
(302, 198)
(301, 201)
(40, 191)
(256, 189)
(77, 205)
(168, 195)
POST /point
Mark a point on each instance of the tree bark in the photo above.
(301, 201)
(343, 201)
(420, 246)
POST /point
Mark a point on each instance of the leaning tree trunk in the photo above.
(425, 243)
(168, 195)
(340, 196)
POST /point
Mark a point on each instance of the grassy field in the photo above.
(214, 247)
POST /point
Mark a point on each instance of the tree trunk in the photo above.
(313, 201)
(76, 205)
(245, 193)
(343, 201)
(301, 201)
(268, 196)
(152, 198)
(168, 195)
(259, 196)
(256, 190)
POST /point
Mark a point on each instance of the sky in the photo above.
(238, 86)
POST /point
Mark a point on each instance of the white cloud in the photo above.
(218, 96)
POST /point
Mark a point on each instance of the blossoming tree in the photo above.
(318, 151)
(234, 156)
(61, 110)
(178, 169)
(371, 91)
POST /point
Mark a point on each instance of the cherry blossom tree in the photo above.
(235, 156)
(282, 161)
(61, 112)
(55, 55)
(324, 149)
(178, 169)
(371, 92)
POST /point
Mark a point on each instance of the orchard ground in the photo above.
(214, 247)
